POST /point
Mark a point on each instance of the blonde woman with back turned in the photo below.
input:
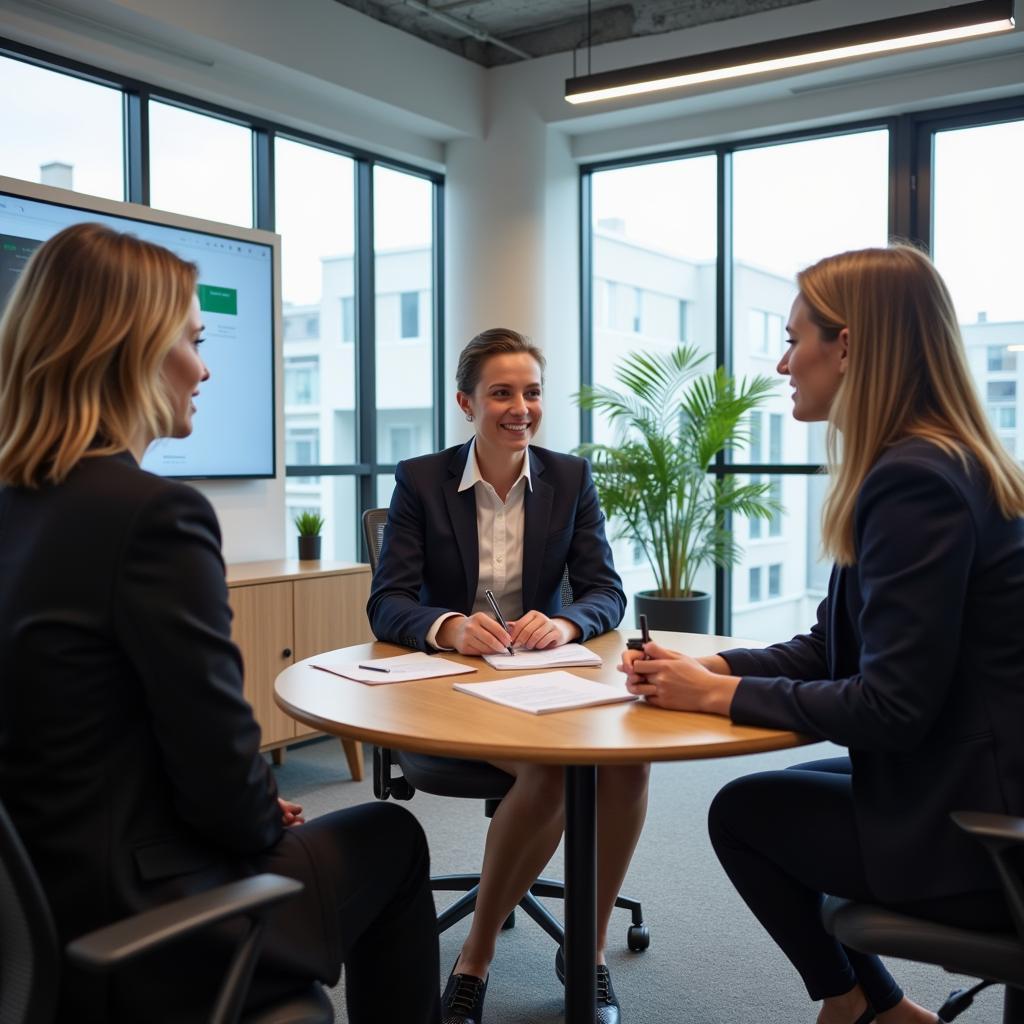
(126, 746)
(914, 663)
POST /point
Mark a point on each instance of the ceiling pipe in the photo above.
(463, 26)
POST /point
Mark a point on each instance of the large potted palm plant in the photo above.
(654, 483)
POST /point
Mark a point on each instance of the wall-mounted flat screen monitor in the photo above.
(233, 429)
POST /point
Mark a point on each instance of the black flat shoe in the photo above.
(463, 999)
(608, 1011)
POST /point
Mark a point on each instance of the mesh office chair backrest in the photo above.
(29, 958)
(374, 521)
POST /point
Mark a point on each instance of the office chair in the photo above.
(30, 957)
(996, 957)
(449, 776)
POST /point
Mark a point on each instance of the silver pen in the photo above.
(497, 614)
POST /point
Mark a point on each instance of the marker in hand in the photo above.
(497, 614)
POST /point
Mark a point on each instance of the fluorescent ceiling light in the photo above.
(909, 31)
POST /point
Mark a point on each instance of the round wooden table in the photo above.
(427, 716)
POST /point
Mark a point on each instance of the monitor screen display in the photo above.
(233, 429)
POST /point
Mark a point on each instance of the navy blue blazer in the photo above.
(430, 559)
(916, 663)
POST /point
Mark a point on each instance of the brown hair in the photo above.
(82, 342)
(907, 375)
(498, 341)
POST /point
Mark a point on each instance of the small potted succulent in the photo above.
(309, 524)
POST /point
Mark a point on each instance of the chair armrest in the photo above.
(1004, 828)
(1001, 835)
(118, 943)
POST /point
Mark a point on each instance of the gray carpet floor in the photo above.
(709, 962)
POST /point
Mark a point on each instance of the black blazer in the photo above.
(916, 664)
(430, 560)
(129, 760)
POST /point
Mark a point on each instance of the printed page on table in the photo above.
(545, 692)
(401, 668)
(566, 656)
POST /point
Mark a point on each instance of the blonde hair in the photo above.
(906, 375)
(82, 343)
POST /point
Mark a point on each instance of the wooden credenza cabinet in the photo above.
(285, 611)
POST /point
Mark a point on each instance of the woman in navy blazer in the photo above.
(915, 662)
(127, 749)
(499, 513)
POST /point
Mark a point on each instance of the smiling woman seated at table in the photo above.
(915, 661)
(500, 514)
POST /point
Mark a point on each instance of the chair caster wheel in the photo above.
(638, 938)
(509, 922)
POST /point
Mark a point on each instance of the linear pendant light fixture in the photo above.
(905, 32)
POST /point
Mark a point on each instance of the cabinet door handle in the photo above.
(286, 653)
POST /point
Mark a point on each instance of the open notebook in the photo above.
(545, 692)
(566, 656)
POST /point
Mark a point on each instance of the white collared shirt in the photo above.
(500, 526)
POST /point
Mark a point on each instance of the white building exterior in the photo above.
(644, 299)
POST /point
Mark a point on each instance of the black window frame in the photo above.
(135, 114)
(911, 137)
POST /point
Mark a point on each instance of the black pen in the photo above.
(645, 637)
(497, 614)
(374, 668)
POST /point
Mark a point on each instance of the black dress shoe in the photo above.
(607, 1005)
(463, 999)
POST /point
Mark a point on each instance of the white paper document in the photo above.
(542, 693)
(399, 669)
(555, 657)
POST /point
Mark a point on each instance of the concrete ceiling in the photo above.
(493, 32)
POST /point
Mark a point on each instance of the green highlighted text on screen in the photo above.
(215, 299)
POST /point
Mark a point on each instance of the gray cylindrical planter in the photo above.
(309, 548)
(681, 614)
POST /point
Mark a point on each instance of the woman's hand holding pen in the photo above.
(676, 681)
(478, 633)
(535, 631)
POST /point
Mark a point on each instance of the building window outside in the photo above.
(775, 493)
(755, 584)
(638, 311)
(775, 437)
(348, 319)
(301, 382)
(766, 330)
(1001, 360)
(1001, 390)
(410, 314)
(684, 320)
(775, 580)
(401, 444)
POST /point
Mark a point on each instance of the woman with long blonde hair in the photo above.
(914, 663)
(126, 746)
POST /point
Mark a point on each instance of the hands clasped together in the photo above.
(479, 633)
(669, 679)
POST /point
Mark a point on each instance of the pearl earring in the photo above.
(469, 417)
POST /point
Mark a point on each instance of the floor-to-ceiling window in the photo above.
(783, 203)
(361, 260)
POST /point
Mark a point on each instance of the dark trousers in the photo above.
(370, 907)
(787, 837)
